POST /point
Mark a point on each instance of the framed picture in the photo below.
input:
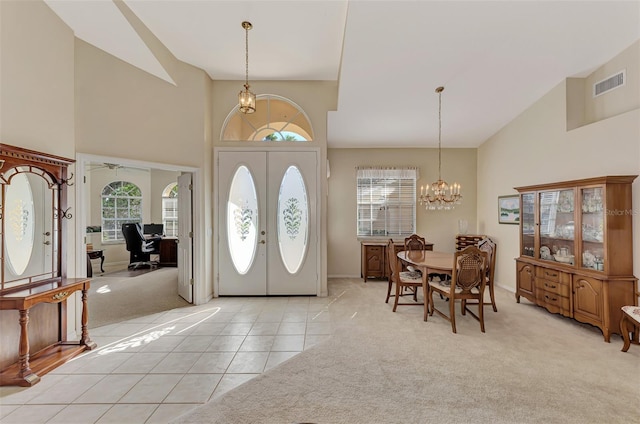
(509, 209)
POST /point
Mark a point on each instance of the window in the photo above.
(170, 210)
(121, 204)
(386, 201)
(275, 119)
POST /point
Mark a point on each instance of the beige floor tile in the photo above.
(290, 328)
(100, 363)
(264, 329)
(294, 316)
(248, 362)
(152, 388)
(176, 363)
(67, 389)
(257, 343)
(195, 344)
(165, 413)
(128, 413)
(230, 381)
(28, 414)
(73, 414)
(194, 388)
(141, 363)
(110, 389)
(212, 362)
(6, 409)
(208, 329)
(226, 344)
(236, 329)
(164, 343)
(291, 343)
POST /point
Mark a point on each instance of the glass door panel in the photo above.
(557, 226)
(528, 224)
(592, 228)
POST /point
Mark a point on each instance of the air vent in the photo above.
(610, 83)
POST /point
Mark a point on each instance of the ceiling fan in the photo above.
(114, 167)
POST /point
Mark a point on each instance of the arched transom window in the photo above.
(275, 119)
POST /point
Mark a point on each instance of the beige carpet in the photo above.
(124, 295)
(384, 367)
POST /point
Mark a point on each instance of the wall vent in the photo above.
(610, 83)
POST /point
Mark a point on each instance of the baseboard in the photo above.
(343, 276)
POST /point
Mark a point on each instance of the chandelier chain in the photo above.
(246, 55)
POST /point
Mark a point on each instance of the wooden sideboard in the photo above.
(29, 367)
(374, 262)
(168, 251)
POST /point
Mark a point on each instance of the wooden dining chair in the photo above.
(489, 246)
(468, 281)
(402, 280)
(630, 325)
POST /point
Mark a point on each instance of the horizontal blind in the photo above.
(386, 201)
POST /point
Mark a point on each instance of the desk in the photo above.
(94, 254)
(168, 251)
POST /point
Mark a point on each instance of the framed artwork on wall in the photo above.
(509, 209)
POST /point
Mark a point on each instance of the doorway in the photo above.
(268, 223)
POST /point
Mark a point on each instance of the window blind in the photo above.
(386, 200)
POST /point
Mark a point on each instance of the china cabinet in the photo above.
(34, 287)
(576, 249)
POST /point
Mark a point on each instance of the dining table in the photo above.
(428, 262)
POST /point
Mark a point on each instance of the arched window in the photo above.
(170, 210)
(275, 119)
(121, 204)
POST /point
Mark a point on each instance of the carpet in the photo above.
(124, 295)
(384, 367)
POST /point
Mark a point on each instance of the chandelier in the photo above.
(246, 99)
(440, 195)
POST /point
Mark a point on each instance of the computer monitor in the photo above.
(153, 229)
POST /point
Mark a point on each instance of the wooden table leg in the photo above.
(25, 372)
(85, 339)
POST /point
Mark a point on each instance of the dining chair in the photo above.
(468, 281)
(402, 280)
(630, 325)
(489, 246)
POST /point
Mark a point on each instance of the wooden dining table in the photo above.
(428, 262)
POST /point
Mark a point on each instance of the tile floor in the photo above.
(154, 368)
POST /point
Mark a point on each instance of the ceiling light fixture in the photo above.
(442, 195)
(246, 99)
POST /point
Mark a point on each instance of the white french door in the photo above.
(267, 223)
(185, 237)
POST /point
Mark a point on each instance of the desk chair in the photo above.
(140, 249)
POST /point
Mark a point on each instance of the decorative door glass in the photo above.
(293, 219)
(592, 228)
(528, 224)
(242, 220)
(557, 226)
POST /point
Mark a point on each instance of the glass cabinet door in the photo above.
(592, 220)
(528, 222)
(557, 226)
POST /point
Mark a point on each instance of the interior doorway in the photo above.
(123, 169)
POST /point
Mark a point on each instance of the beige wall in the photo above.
(36, 98)
(438, 227)
(536, 148)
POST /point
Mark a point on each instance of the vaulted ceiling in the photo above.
(495, 58)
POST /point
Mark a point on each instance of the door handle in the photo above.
(262, 242)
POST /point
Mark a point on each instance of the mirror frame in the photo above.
(56, 167)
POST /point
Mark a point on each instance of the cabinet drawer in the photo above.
(548, 274)
(553, 302)
(374, 249)
(553, 287)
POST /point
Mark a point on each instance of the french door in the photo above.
(268, 223)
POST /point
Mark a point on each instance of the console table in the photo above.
(28, 369)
